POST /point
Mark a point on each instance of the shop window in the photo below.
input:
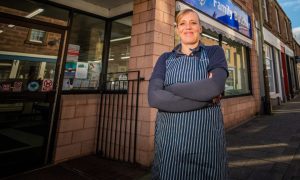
(270, 67)
(237, 82)
(119, 54)
(84, 59)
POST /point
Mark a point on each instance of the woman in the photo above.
(189, 132)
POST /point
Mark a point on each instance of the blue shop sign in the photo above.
(226, 12)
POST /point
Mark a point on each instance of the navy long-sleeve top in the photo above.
(189, 96)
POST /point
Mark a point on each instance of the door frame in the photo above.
(58, 77)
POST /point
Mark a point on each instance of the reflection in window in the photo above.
(238, 81)
(119, 53)
(37, 36)
(84, 58)
(27, 67)
(35, 10)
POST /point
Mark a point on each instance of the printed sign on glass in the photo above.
(47, 85)
(5, 87)
(17, 86)
(33, 86)
(81, 70)
(73, 53)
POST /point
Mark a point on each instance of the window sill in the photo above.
(35, 43)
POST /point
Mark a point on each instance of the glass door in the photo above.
(29, 66)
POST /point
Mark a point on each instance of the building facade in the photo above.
(278, 51)
(74, 76)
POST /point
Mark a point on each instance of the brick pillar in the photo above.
(152, 34)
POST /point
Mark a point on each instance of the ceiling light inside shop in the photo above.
(111, 59)
(120, 39)
(210, 37)
(125, 57)
(1, 31)
(11, 25)
(34, 13)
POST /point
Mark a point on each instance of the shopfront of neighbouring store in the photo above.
(48, 52)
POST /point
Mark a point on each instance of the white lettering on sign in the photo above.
(223, 8)
(227, 11)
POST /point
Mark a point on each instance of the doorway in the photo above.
(30, 59)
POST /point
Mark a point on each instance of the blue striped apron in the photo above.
(189, 145)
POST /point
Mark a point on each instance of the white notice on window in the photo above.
(81, 70)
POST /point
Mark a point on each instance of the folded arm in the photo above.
(201, 90)
(167, 101)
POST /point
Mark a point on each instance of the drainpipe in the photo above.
(266, 98)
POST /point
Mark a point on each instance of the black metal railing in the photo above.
(117, 128)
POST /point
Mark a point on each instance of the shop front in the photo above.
(74, 76)
(50, 54)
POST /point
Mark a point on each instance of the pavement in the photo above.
(265, 148)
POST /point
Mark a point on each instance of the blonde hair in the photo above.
(184, 12)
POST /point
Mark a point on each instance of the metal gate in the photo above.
(117, 128)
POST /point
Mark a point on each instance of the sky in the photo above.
(292, 9)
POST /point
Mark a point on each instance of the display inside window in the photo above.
(237, 82)
(84, 57)
(119, 54)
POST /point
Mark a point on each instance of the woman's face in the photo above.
(189, 28)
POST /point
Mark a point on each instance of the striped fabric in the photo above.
(189, 145)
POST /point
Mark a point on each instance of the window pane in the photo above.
(23, 65)
(270, 67)
(119, 52)
(84, 60)
(238, 81)
(265, 7)
(209, 38)
(35, 10)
